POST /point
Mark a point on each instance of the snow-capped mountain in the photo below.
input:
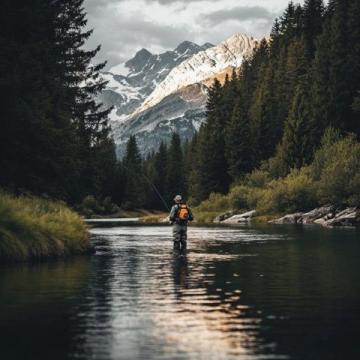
(130, 83)
(156, 95)
(201, 66)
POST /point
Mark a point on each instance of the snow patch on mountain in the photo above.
(201, 66)
(120, 69)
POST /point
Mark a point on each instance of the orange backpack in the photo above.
(183, 213)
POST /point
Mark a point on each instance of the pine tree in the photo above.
(354, 64)
(239, 140)
(212, 169)
(229, 95)
(160, 174)
(190, 163)
(312, 23)
(333, 86)
(80, 82)
(239, 144)
(262, 112)
(296, 143)
(106, 175)
(175, 182)
(135, 188)
(193, 176)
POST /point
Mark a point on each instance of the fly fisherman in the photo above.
(180, 215)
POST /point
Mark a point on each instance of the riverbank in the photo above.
(326, 216)
(32, 228)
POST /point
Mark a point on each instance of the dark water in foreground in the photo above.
(249, 293)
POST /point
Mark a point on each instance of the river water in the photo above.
(239, 293)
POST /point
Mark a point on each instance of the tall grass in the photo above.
(34, 228)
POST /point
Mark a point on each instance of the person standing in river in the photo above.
(180, 215)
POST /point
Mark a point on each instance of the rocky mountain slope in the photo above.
(130, 83)
(156, 95)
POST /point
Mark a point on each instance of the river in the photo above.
(279, 292)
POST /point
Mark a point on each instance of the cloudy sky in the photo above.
(123, 27)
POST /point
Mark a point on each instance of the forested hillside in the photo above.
(267, 122)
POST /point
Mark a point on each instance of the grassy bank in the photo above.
(34, 228)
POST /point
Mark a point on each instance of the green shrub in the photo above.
(258, 178)
(91, 206)
(204, 216)
(254, 197)
(238, 197)
(276, 166)
(324, 155)
(336, 170)
(31, 227)
(292, 193)
(216, 202)
(109, 206)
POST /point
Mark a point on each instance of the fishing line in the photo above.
(154, 188)
(157, 192)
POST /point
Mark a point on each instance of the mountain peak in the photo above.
(207, 45)
(186, 45)
(239, 39)
(139, 60)
(143, 52)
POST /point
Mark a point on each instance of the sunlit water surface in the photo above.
(238, 293)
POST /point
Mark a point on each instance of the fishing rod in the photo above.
(154, 188)
(157, 191)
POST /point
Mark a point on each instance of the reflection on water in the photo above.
(244, 293)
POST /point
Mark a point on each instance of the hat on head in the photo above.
(178, 198)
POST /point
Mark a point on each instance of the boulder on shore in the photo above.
(327, 216)
(165, 220)
(324, 212)
(240, 218)
(347, 217)
(295, 218)
(223, 216)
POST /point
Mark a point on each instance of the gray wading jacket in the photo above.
(174, 215)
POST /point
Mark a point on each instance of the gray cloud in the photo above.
(239, 13)
(93, 4)
(120, 38)
(122, 27)
(177, 1)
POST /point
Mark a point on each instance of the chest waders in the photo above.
(180, 236)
